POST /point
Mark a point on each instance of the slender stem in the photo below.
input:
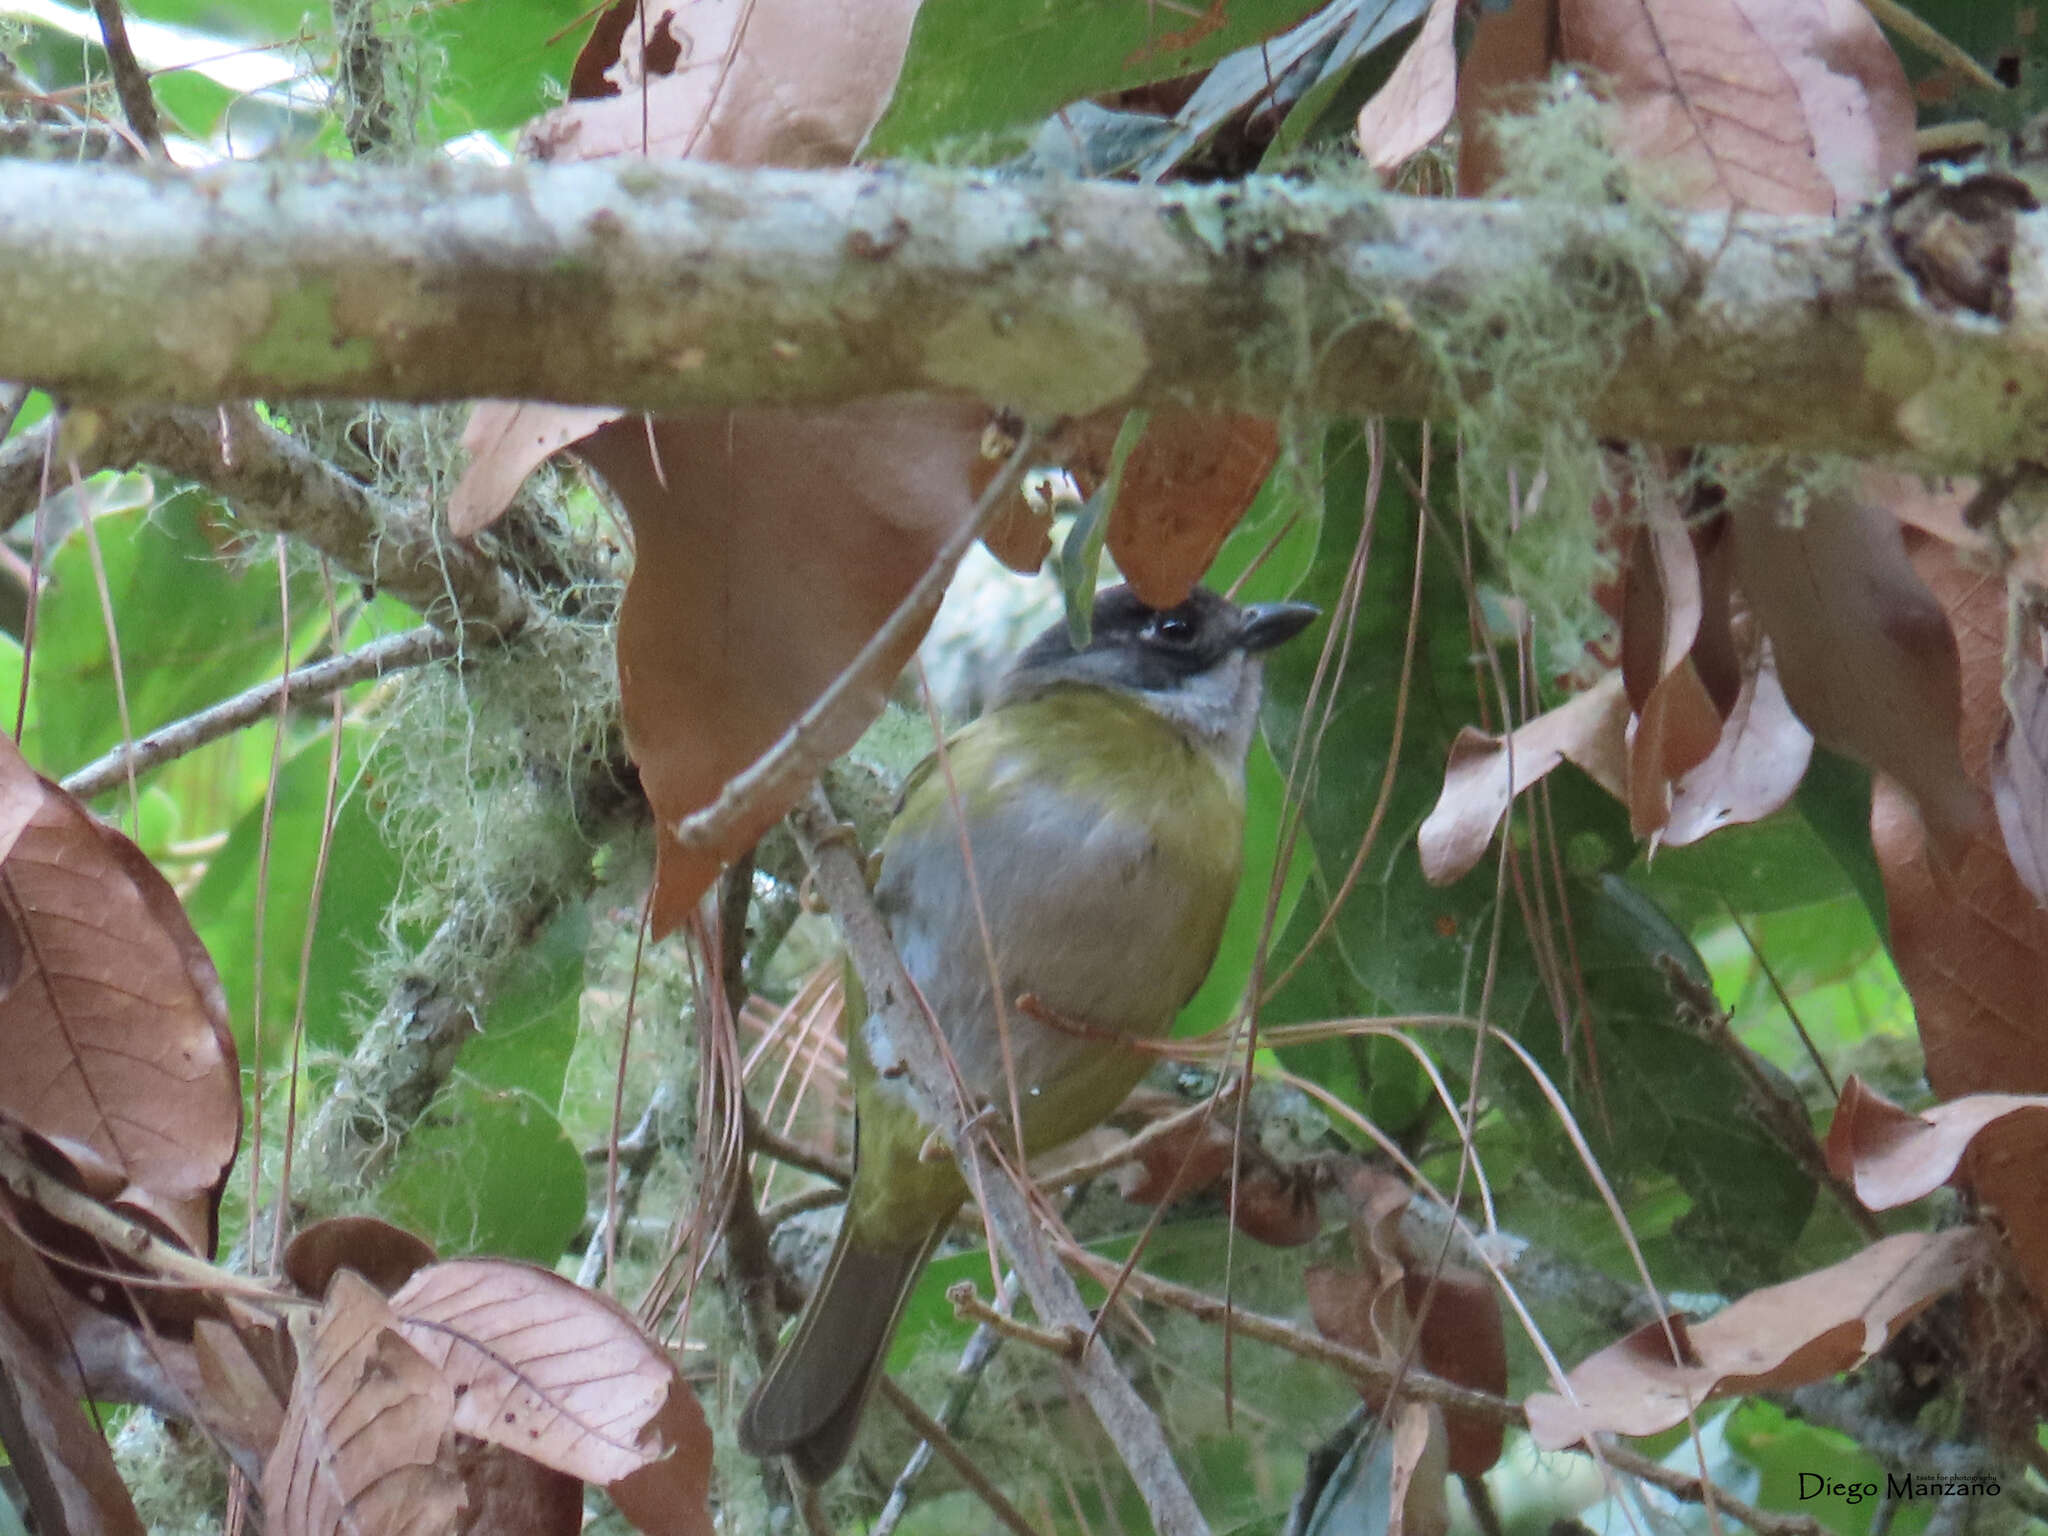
(315, 680)
(935, 1435)
(131, 80)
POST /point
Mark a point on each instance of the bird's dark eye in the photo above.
(1173, 628)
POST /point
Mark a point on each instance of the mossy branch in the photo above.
(670, 286)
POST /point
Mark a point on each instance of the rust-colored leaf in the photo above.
(1864, 651)
(1780, 1337)
(1277, 1206)
(1184, 1163)
(382, 1254)
(1463, 1341)
(1892, 1156)
(115, 1027)
(671, 1497)
(1663, 603)
(507, 1495)
(1511, 53)
(1485, 773)
(61, 1462)
(2019, 774)
(1414, 105)
(365, 1447)
(1969, 940)
(770, 545)
(1755, 767)
(1781, 106)
(541, 1366)
(1184, 487)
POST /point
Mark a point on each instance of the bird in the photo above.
(1101, 797)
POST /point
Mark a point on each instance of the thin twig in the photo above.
(1129, 1423)
(935, 1435)
(134, 1242)
(974, 1361)
(638, 1151)
(131, 80)
(815, 1198)
(769, 1142)
(315, 680)
(1065, 1343)
(799, 755)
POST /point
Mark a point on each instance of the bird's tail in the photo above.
(809, 1404)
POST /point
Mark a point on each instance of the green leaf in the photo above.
(488, 1171)
(362, 880)
(530, 1023)
(1783, 1450)
(979, 67)
(194, 627)
(494, 66)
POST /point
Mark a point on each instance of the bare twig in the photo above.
(815, 1198)
(798, 756)
(315, 680)
(131, 80)
(277, 484)
(769, 1142)
(936, 1435)
(974, 1360)
(638, 1150)
(1063, 1343)
(1130, 1425)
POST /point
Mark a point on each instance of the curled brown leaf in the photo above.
(1780, 1337)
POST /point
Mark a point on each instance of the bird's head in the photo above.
(1197, 664)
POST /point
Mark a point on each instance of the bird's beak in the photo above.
(1269, 624)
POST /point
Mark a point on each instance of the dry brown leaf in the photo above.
(672, 1497)
(1485, 773)
(2019, 774)
(62, 1463)
(365, 1447)
(382, 1254)
(507, 440)
(1184, 486)
(1511, 53)
(1780, 1337)
(1463, 1340)
(1414, 105)
(240, 1401)
(1185, 1163)
(1755, 767)
(744, 82)
(1970, 942)
(1663, 604)
(541, 1366)
(119, 1056)
(1864, 652)
(1893, 1157)
(507, 1495)
(781, 541)
(1277, 1206)
(1781, 106)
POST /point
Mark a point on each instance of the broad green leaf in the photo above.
(362, 880)
(196, 624)
(496, 65)
(1784, 1450)
(978, 68)
(487, 1171)
(530, 1024)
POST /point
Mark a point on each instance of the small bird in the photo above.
(1102, 797)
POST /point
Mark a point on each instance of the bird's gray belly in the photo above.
(1082, 914)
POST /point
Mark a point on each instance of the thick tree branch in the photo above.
(278, 485)
(669, 286)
